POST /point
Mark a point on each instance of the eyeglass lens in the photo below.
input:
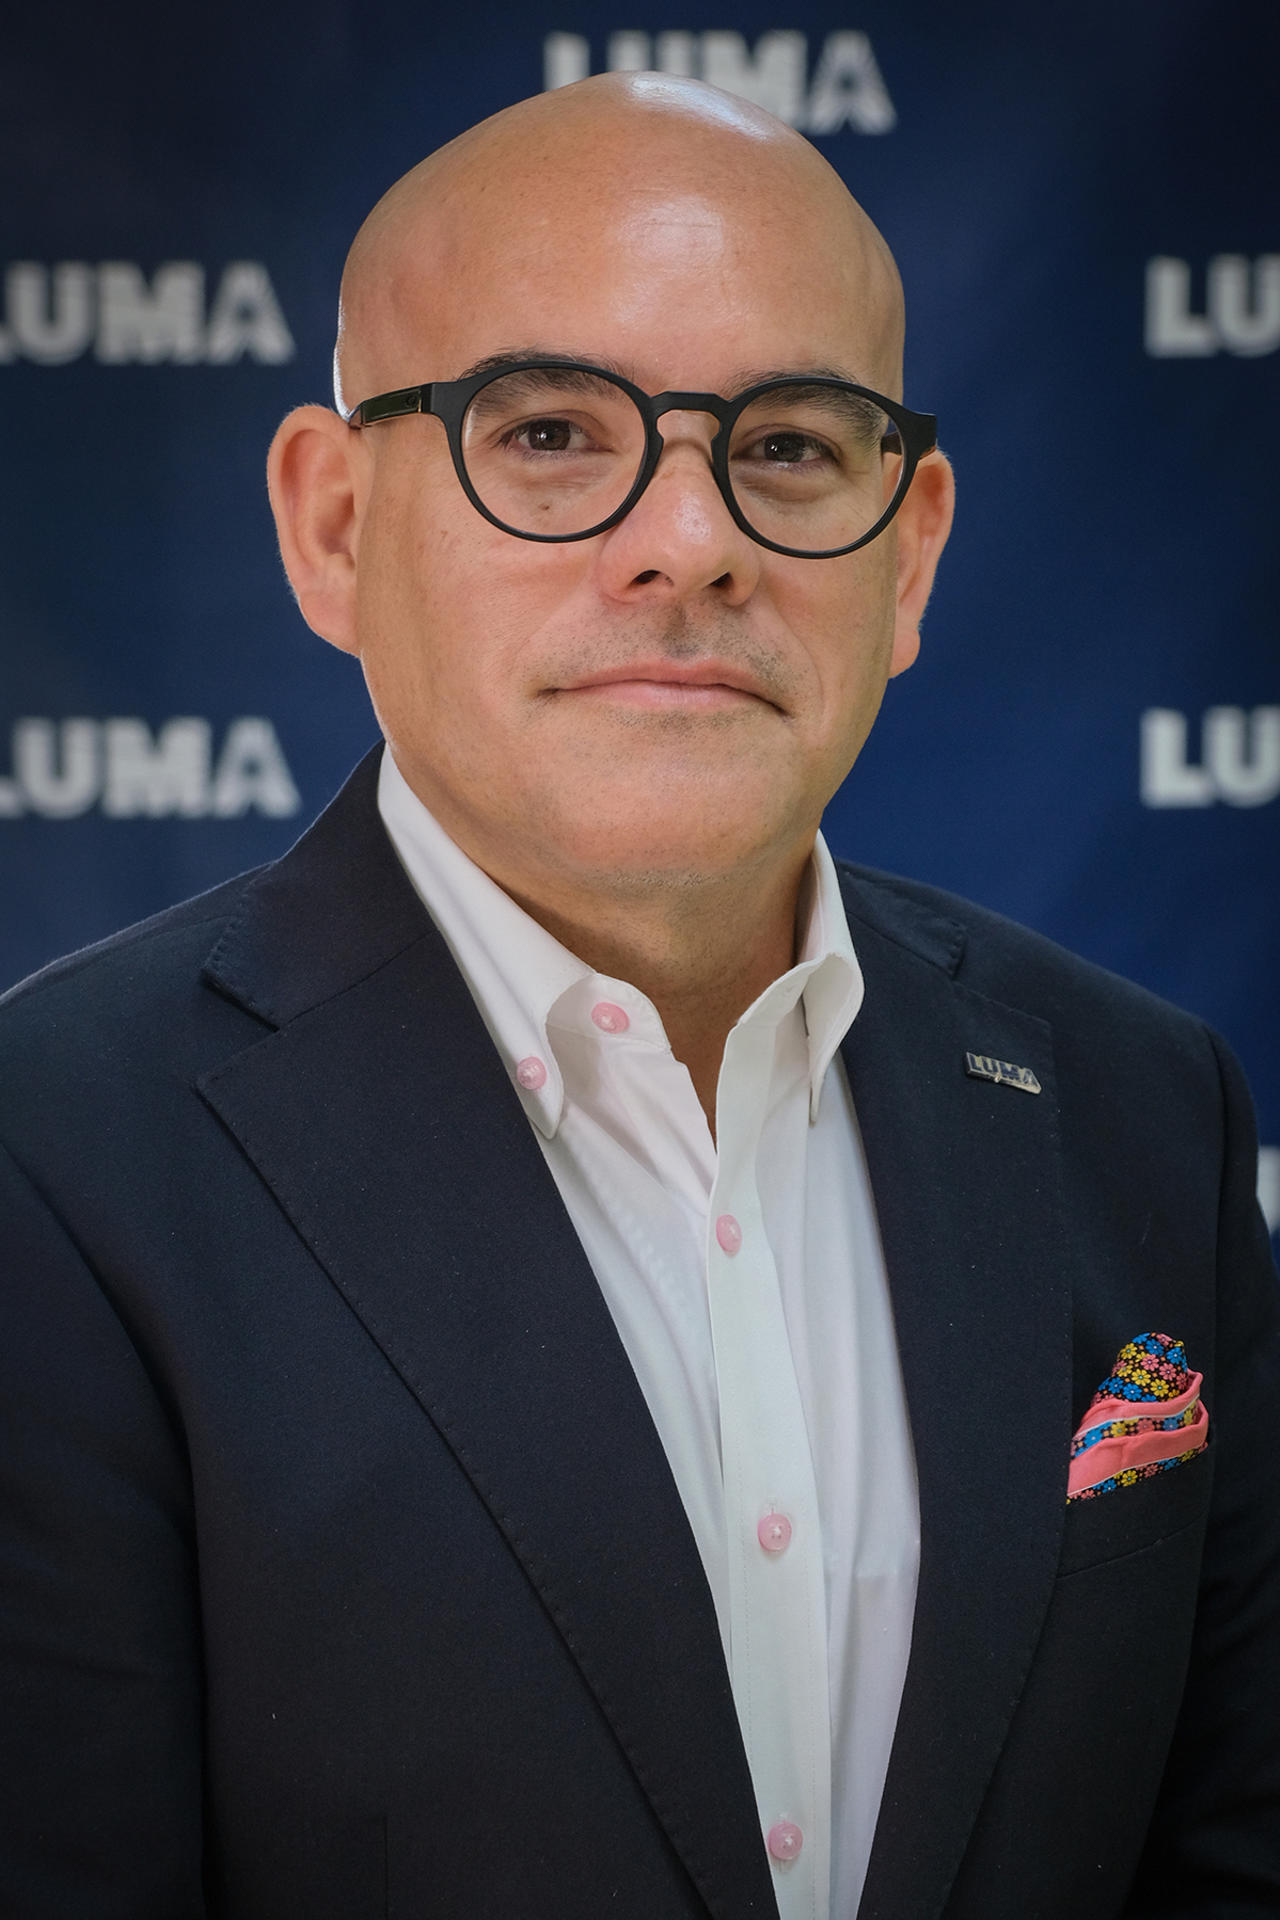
(554, 451)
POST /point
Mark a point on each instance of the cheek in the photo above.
(415, 575)
(848, 614)
(449, 610)
(403, 617)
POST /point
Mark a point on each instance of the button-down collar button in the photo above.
(784, 1840)
(608, 1018)
(531, 1073)
(728, 1233)
(774, 1533)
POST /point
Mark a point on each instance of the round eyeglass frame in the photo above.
(913, 436)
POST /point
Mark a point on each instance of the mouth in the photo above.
(700, 686)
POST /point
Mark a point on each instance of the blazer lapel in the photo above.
(381, 1117)
(966, 1181)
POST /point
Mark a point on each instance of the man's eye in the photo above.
(547, 436)
(788, 448)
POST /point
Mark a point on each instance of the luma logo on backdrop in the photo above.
(1239, 310)
(56, 314)
(62, 768)
(819, 90)
(1239, 758)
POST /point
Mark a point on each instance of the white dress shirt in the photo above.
(746, 1279)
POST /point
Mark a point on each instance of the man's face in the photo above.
(667, 699)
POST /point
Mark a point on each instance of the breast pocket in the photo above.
(1137, 1517)
(1090, 1738)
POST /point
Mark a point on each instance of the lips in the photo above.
(672, 682)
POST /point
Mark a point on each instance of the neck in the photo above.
(701, 951)
(702, 947)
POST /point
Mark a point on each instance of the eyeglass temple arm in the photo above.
(921, 434)
(390, 406)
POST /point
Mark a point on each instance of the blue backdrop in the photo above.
(1084, 204)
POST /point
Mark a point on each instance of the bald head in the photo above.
(667, 699)
(646, 160)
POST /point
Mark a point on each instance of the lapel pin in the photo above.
(1003, 1072)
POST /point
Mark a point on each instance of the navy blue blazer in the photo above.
(342, 1573)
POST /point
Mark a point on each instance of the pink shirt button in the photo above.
(728, 1233)
(774, 1533)
(784, 1840)
(531, 1073)
(608, 1018)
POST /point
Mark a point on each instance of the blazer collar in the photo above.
(330, 913)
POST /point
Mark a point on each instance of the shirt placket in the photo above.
(775, 1568)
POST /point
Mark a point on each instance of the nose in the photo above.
(680, 539)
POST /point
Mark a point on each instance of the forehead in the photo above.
(678, 283)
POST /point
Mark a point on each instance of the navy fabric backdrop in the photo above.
(1083, 201)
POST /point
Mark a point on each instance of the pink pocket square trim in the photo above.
(1145, 1418)
(1149, 1438)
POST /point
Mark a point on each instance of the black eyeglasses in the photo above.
(809, 465)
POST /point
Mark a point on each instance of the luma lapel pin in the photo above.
(1003, 1072)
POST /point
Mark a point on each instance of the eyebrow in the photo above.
(761, 376)
(513, 357)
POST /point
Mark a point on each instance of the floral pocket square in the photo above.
(1146, 1417)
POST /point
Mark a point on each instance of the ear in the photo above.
(923, 523)
(312, 478)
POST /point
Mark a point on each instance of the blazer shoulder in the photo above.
(142, 951)
(138, 988)
(995, 956)
(182, 989)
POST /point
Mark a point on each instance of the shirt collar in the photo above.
(833, 985)
(517, 971)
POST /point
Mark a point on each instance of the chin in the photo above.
(647, 853)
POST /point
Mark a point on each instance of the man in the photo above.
(545, 1330)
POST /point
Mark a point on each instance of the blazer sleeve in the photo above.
(1214, 1844)
(100, 1730)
